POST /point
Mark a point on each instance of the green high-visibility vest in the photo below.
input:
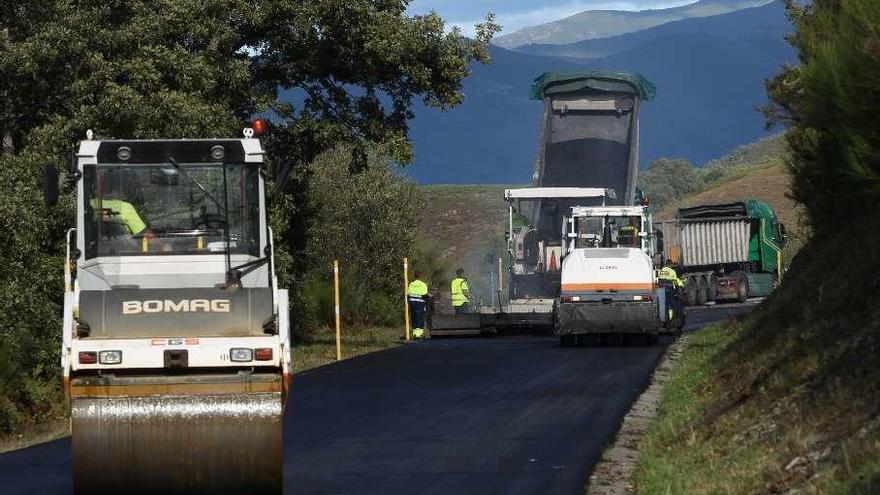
(667, 273)
(418, 288)
(126, 212)
(459, 287)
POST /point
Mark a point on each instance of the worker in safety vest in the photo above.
(111, 207)
(669, 279)
(417, 295)
(668, 273)
(461, 294)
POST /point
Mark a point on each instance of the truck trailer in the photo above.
(729, 251)
(175, 352)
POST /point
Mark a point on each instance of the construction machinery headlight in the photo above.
(110, 357)
(570, 299)
(241, 355)
(645, 297)
(218, 152)
(123, 153)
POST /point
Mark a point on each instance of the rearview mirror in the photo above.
(50, 184)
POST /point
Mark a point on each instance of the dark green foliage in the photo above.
(830, 103)
(667, 180)
(366, 220)
(189, 69)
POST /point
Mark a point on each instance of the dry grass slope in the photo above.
(787, 401)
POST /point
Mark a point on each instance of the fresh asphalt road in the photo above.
(509, 415)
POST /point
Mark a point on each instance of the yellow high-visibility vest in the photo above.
(668, 273)
(418, 288)
(127, 213)
(459, 288)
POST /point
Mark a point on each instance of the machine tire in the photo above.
(742, 286)
(702, 291)
(653, 339)
(690, 292)
(588, 340)
(568, 340)
(713, 288)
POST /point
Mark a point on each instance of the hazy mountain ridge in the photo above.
(710, 82)
(744, 23)
(593, 24)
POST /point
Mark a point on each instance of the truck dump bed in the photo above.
(589, 137)
(590, 132)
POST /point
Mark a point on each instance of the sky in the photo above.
(516, 14)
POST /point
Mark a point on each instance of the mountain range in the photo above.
(709, 72)
(604, 23)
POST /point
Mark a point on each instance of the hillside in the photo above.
(762, 20)
(604, 23)
(465, 226)
(786, 401)
(755, 171)
(709, 86)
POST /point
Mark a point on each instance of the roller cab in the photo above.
(175, 353)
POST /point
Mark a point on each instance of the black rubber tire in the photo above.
(568, 340)
(690, 292)
(588, 340)
(742, 286)
(653, 339)
(713, 288)
(702, 291)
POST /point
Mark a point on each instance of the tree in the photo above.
(830, 103)
(667, 180)
(325, 71)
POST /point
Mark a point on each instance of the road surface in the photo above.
(516, 415)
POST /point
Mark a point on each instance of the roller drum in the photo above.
(178, 444)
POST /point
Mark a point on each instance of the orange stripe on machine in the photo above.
(606, 287)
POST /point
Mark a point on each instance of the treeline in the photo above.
(667, 180)
(336, 78)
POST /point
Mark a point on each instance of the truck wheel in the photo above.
(742, 286)
(690, 292)
(702, 291)
(713, 288)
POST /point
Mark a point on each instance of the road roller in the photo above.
(610, 292)
(176, 355)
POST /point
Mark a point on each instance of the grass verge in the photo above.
(785, 401)
(319, 346)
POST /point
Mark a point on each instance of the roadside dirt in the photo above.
(35, 434)
(614, 473)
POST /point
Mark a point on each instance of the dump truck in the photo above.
(729, 251)
(589, 139)
(175, 351)
(588, 155)
(609, 288)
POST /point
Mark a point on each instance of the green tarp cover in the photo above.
(597, 80)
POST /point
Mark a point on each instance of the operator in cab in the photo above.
(461, 293)
(628, 235)
(113, 208)
(417, 295)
